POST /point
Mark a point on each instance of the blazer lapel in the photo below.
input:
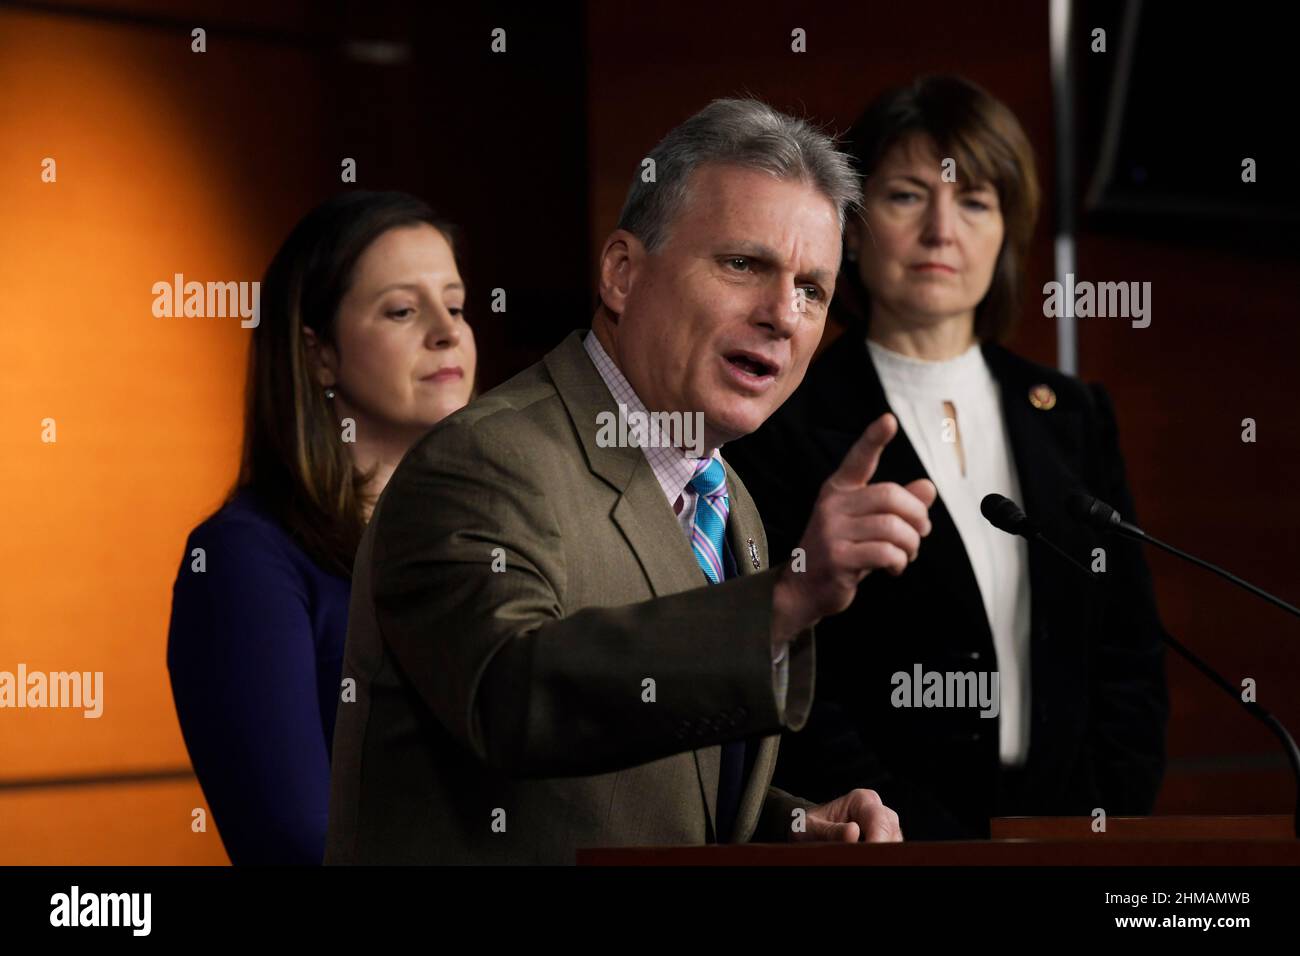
(1045, 482)
(641, 512)
(746, 543)
(748, 547)
(945, 563)
(1028, 432)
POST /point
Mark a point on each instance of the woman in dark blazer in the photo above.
(928, 287)
(361, 347)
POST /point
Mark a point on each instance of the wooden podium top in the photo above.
(1174, 827)
(1017, 841)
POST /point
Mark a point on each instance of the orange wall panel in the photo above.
(161, 169)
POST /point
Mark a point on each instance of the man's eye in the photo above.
(743, 263)
(811, 293)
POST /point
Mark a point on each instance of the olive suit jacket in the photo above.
(535, 662)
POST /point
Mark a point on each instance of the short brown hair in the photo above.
(989, 145)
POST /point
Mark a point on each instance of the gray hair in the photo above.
(737, 132)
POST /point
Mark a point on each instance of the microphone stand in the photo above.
(1255, 710)
(1114, 525)
(1136, 533)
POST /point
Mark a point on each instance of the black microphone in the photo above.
(1005, 515)
(1097, 514)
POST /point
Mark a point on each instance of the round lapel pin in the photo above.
(1042, 397)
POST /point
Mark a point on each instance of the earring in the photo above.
(329, 393)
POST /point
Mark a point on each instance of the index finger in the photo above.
(860, 463)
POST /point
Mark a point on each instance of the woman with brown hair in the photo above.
(361, 347)
(989, 678)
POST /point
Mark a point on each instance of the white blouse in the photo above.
(916, 391)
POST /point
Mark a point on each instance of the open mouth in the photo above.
(751, 365)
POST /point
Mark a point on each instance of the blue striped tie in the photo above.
(707, 541)
(710, 484)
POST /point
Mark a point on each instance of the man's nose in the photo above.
(781, 309)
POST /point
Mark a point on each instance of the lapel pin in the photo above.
(1042, 397)
(753, 554)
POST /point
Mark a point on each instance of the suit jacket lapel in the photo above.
(641, 512)
(847, 364)
(747, 543)
(1027, 431)
(1044, 484)
(744, 527)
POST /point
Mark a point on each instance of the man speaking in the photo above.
(561, 641)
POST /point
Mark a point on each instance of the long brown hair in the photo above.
(293, 460)
(989, 145)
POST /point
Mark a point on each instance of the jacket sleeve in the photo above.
(1128, 700)
(469, 576)
(243, 675)
(776, 819)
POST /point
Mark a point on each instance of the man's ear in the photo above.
(620, 261)
(321, 358)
